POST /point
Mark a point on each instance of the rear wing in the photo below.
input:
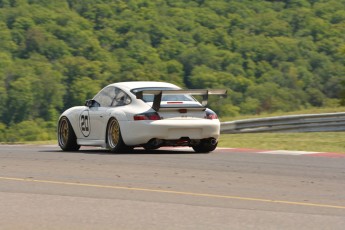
(201, 92)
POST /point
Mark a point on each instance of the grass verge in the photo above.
(51, 142)
(318, 142)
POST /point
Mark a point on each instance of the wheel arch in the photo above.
(67, 139)
(72, 114)
(120, 145)
(122, 127)
(106, 129)
(121, 118)
(70, 120)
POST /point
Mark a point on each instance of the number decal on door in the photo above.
(84, 123)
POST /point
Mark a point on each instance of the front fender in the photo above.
(72, 115)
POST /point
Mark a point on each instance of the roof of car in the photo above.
(143, 84)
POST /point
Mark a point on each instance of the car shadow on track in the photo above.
(133, 152)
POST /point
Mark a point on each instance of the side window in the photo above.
(121, 98)
(105, 96)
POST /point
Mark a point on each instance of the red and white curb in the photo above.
(258, 151)
(282, 152)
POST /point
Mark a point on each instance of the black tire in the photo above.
(205, 146)
(114, 138)
(66, 136)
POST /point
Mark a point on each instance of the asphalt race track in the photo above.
(42, 187)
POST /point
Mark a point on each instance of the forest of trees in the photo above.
(277, 55)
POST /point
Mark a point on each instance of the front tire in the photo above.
(114, 138)
(66, 136)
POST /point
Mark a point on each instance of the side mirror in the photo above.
(91, 103)
(88, 103)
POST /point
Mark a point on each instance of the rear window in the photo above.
(170, 97)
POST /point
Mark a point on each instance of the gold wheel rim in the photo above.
(114, 134)
(63, 134)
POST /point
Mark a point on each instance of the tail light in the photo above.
(146, 116)
(211, 115)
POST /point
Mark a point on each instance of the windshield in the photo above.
(170, 97)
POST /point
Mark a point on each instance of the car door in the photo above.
(94, 120)
(98, 121)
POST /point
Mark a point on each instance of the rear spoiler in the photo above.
(201, 92)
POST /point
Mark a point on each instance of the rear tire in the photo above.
(66, 136)
(205, 146)
(114, 138)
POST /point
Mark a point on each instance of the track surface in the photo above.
(42, 187)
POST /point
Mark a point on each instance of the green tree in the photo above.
(3, 137)
(20, 100)
(269, 55)
(342, 94)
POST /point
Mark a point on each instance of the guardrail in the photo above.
(324, 122)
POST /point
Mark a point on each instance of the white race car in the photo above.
(141, 114)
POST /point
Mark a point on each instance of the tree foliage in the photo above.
(270, 55)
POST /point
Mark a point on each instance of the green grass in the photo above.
(50, 142)
(318, 142)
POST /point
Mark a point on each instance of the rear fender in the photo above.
(121, 117)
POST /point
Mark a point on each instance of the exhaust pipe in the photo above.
(213, 141)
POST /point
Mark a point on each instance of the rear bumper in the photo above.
(140, 132)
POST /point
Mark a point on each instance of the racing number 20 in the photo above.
(84, 123)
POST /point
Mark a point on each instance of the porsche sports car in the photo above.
(144, 114)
